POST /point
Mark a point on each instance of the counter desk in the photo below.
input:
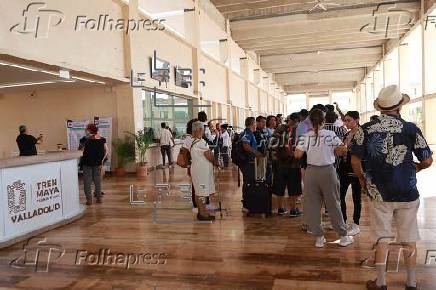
(38, 193)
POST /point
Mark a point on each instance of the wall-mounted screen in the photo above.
(160, 69)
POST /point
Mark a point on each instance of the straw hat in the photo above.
(390, 99)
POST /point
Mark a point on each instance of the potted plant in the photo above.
(125, 151)
(143, 139)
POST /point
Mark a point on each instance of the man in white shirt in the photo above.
(208, 136)
(225, 137)
(166, 142)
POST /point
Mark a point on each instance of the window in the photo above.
(324, 100)
(344, 100)
(369, 92)
(413, 113)
(296, 102)
(430, 120)
(392, 69)
(411, 64)
(174, 111)
(362, 101)
(430, 56)
(378, 79)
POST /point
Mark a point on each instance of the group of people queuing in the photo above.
(318, 155)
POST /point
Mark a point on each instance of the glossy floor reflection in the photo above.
(233, 253)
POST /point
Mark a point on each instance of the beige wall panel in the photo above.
(253, 97)
(47, 112)
(99, 52)
(263, 102)
(237, 90)
(215, 78)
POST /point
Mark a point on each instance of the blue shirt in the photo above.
(386, 147)
(248, 137)
(303, 128)
(270, 132)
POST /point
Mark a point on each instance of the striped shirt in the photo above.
(341, 132)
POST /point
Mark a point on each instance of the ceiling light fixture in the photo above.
(32, 84)
(23, 67)
(89, 80)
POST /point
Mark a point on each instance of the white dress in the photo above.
(201, 170)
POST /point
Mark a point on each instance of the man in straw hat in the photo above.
(386, 146)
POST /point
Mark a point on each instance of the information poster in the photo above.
(75, 132)
(32, 200)
(105, 128)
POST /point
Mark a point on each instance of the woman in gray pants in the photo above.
(321, 182)
(95, 152)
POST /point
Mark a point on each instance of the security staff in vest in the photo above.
(27, 143)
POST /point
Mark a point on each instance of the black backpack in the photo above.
(239, 155)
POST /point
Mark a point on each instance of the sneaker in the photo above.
(346, 241)
(245, 210)
(320, 241)
(295, 212)
(195, 210)
(205, 218)
(372, 285)
(211, 207)
(282, 211)
(353, 230)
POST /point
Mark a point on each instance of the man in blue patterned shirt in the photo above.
(387, 146)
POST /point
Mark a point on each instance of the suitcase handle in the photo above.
(262, 160)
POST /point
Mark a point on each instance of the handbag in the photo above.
(183, 157)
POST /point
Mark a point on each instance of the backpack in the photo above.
(239, 155)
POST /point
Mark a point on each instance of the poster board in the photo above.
(75, 132)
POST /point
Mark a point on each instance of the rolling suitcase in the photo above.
(258, 197)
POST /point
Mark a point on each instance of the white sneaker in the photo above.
(346, 241)
(353, 230)
(320, 241)
(211, 207)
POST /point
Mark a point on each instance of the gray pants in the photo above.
(321, 185)
(92, 174)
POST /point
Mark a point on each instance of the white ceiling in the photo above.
(16, 76)
(318, 50)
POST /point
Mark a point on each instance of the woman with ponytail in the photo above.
(321, 181)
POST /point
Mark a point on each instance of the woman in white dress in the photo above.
(202, 170)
